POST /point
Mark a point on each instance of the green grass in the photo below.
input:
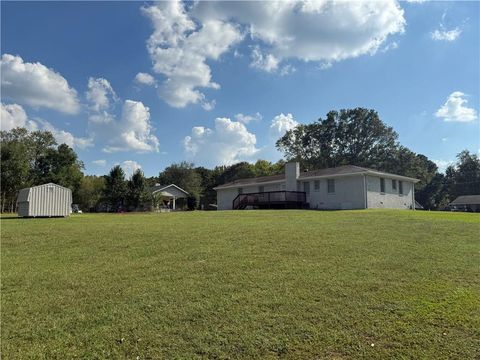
(251, 284)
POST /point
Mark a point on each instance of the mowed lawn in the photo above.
(245, 284)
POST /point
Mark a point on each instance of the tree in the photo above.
(184, 176)
(353, 136)
(115, 188)
(137, 190)
(91, 192)
(464, 177)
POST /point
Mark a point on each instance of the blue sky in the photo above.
(222, 81)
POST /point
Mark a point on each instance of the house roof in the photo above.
(344, 170)
(157, 188)
(466, 200)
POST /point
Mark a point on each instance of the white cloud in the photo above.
(391, 46)
(454, 109)
(36, 85)
(324, 31)
(131, 131)
(13, 115)
(65, 137)
(179, 49)
(100, 162)
(281, 124)
(227, 143)
(443, 164)
(100, 94)
(145, 79)
(265, 62)
(446, 35)
(130, 166)
(248, 118)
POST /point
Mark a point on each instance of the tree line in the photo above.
(353, 136)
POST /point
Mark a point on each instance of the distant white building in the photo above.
(343, 187)
(47, 200)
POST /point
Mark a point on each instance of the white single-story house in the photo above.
(167, 195)
(343, 187)
(47, 200)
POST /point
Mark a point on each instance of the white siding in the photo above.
(45, 200)
(225, 197)
(391, 199)
(349, 193)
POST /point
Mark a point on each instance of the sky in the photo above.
(145, 85)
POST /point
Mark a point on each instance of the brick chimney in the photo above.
(292, 172)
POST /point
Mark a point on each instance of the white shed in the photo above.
(44, 200)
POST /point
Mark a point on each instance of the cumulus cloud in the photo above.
(145, 79)
(446, 35)
(127, 130)
(281, 124)
(324, 31)
(228, 142)
(443, 34)
(130, 131)
(179, 48)
(455, 109)
(100, 162)
(14, 115)
(248, 118)
(130, 166)
(36, 85)
(100, 94)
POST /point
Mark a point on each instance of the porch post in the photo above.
(173, 208)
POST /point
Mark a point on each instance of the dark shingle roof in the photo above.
(252, 181)
(339, 170)
(466, 200)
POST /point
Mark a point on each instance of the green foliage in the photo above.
(91, 192)
(464, 177)
(184, 176)
(242, 285)
(138, 194)
(32, 158)
(116, 188)
(354, 136)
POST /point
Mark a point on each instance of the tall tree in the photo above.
(115, 188)
(91, 192)
(137, 190)
(464, 177)
(353, 136)
(183, 175)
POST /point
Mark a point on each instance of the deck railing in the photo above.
(296, 198)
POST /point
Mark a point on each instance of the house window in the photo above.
(316, 185)
(382, 185)
(394, 184)
(331, 186)
(400, 187)
(282, 187)
(240, 191)
(261, 189)
(306, 186)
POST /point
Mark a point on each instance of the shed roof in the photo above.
(466, 200)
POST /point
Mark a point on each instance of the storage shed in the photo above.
(45, 200)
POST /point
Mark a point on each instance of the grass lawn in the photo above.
(249, 284)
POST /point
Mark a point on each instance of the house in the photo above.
(466, 203)
(47, 200)
(166, 196)
(343, 187)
